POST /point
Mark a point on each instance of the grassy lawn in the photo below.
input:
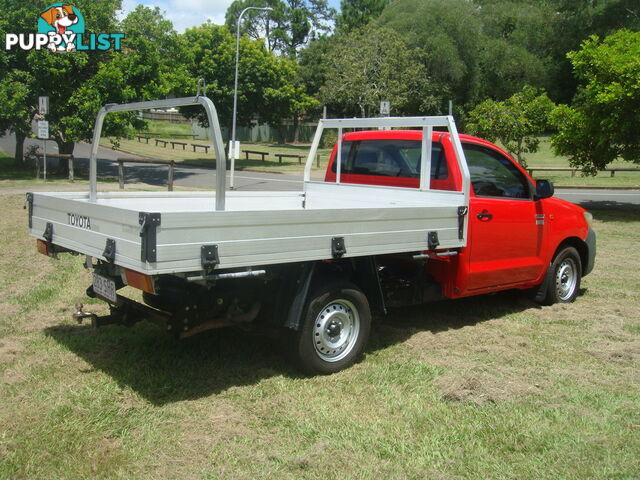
(492, 387)
(544, 157)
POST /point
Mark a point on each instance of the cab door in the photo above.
(505, 224)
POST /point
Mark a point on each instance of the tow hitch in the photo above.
(79, 315)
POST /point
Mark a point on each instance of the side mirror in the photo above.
(544, 189)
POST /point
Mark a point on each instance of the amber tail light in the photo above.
(139, 280)
(43, 248)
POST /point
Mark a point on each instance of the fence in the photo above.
(170, 163)
(574, 170)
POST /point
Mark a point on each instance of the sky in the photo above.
(190, 13)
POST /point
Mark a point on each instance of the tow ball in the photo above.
(79, 315)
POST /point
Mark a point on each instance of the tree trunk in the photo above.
(19, 156)
(64, 148)
(296, 128)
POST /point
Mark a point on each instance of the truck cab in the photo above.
(516, 229)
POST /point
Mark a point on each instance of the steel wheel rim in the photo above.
(566, 279)
(335, 330)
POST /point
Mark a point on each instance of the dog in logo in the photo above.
(60, 18)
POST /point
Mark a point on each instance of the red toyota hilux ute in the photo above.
(520, 236)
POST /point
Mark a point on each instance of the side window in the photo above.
(390, 158)
(493, 175)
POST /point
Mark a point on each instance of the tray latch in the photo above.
(337, 247)
(209, 257)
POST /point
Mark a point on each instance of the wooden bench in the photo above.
(255, 152)
(614, 170)
(553, 169)
(574, 170)
(172, 135)
(173, 145)
(140, 137)
(196, 145)
(288, 155)
(185, 135)
(164, 142)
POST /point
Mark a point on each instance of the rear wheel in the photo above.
(333, 330)
(563, 279)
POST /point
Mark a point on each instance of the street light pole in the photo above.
(235, 94)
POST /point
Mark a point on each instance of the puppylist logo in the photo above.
(61, 28)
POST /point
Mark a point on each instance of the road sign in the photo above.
(234, 150)
(43, 105)
(385, 107)
(43, 129)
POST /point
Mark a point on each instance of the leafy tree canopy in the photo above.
(358, 13)
(516, 122)
(29, 74)
(445, 36)
(372, 65)
(602, 124)
(268, 86)
(289, 26)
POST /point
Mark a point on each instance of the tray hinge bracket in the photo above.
(462, 212)
(432, 240)
(149, 222)
(338, 248)
(209, 257)
(30, 202)
(48, 233)
(110, 250)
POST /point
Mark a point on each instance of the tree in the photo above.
(576, 21)
(373, 65)
(358, 13)
(290, 25)
(445, 36)
(84, 81)
(516, 122)
(268, 86)
(257, 24)
(602, 124)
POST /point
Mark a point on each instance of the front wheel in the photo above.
(563, 278)
(333, 330)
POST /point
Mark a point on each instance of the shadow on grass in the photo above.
(164, 370)
(241, 164)
(610, 211)
(9, 170)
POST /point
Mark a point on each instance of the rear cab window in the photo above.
(391, 158)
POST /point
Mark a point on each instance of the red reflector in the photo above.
(42, 247)
(139, 280)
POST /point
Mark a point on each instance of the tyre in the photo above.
(334, 329)
(563, 278)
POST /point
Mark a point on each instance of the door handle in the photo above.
(484, 215)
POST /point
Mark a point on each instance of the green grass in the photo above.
(487, 387)
(545, 157)
(168, 129)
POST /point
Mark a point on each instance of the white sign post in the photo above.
(385, 108)
(234, 154)
(43, 133)
(43, 105)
